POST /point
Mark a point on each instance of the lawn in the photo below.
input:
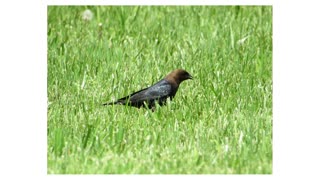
(218, 123)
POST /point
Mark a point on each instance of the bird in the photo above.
(157, 93)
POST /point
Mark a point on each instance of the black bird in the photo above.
(159, 92)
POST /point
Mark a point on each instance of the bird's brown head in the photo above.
(178, 76)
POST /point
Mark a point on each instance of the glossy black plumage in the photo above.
(159, 92)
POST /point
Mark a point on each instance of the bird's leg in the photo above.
(153, 108)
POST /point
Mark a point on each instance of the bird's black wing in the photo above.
(159, 91)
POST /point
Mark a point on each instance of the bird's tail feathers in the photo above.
(109, 103)
(113, 103)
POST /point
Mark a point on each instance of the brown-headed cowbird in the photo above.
(159, 92)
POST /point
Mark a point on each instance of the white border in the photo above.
(162, 2)
(295, 89)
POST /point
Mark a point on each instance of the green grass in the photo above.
(219, 122)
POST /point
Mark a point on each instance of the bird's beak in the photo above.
(190, 77)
